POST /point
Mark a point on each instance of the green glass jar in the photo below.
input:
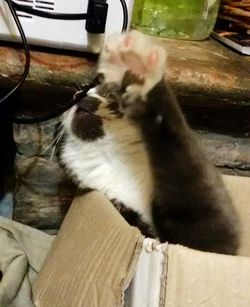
(182, 19)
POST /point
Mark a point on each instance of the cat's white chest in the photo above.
(120, 169)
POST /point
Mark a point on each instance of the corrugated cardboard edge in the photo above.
(93, 258)
(148, 285)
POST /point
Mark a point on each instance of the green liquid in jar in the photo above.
(183, 19)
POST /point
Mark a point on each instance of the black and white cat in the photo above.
(129, 139)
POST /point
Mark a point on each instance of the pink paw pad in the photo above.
(128, 40)
(153, 57)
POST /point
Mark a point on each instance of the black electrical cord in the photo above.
(27, 53)
(125, 15)
(12, 7)
(50, 15)
(63, 16)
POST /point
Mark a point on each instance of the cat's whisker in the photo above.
(56, 142)
(61, 130)
(78, 86)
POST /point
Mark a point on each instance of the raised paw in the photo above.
(135, 53)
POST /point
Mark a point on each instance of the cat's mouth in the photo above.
(83, 114)
(87, 106)
(86, 125)
(83, 111)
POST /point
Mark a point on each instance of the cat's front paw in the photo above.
(145, 63)
(133, 54)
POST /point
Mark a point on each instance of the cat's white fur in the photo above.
(116, 164)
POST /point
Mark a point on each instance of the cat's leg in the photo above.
(133, 218)
(191, 205)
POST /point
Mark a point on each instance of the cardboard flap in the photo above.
(92, 259)
(204, 279)
(95, 254)
(239, 189)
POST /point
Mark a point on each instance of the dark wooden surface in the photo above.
(202, 74)
(211, 82)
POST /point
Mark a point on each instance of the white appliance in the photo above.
(65, 34)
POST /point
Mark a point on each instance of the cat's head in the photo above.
(100, 110)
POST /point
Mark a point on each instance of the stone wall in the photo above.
(43, 191)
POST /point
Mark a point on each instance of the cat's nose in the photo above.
(88, 104)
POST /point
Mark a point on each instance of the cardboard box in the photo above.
(98, 260)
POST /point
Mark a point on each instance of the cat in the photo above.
(129, 139)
